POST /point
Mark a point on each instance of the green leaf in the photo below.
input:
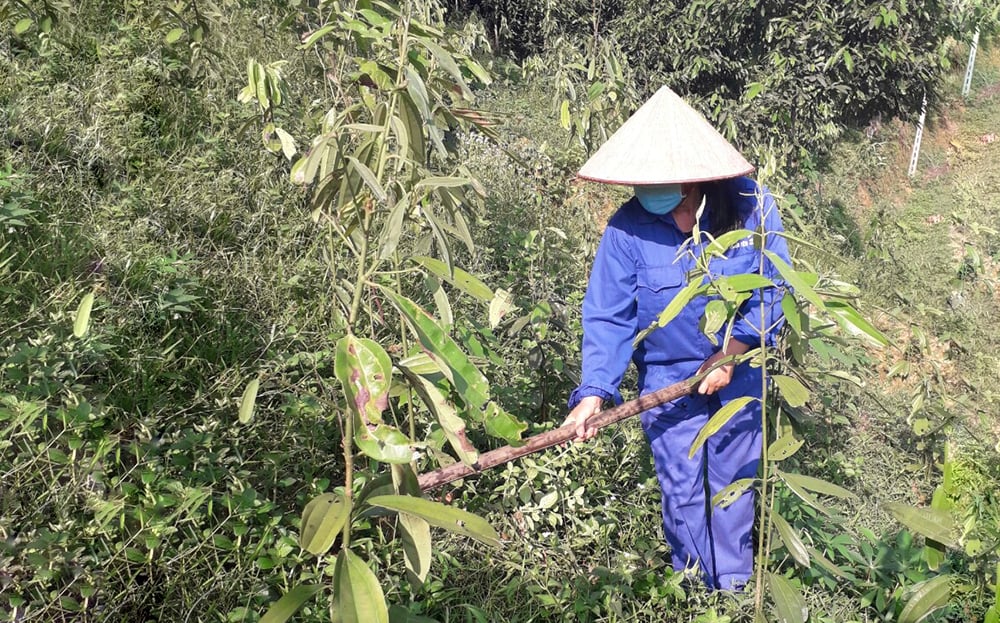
(444, 182)
(174, 35)
(790, 309)
(822, 561)
(796, 548)
(447, 61)
(82, 322)
(794, 393)
(392, 231)
(721, 244)
(248, 401)
(439, 515)
(855, 323)
(416, 537)
(442, 303)
(848, 61)
(733, 492)
(383, 442)
(287, 143)
(784, 447)
(818, 485)
(564, 117)
(365, 374)
(22, 26)
(358, 597)
(753, 90)
(467, 379)
(437, 229)
(281, 610)
(926, 597)
(795, 487)
(444, 411)
(716, 314)
(676, 305)
(747, 282)
(399, 614)
(322, 520)
(316, 35)
(501, 304)
(369, 178)
(413, 121)
(501, 424)
(717, 421)
(929, 522)
(796, 280)
(456, 277)
(417, 91)
(788, 601)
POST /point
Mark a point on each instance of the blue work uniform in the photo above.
(639, 268)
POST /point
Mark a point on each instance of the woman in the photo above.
(677, 163)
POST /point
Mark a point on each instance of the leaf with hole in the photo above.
(383, 442)
(733, 492)
(365, 374)
(501, 424)
(716, 314)
(442, 516)
(783, 447)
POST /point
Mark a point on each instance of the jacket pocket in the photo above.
(657, 286)
(736, 262)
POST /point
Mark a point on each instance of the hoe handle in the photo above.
(554, 437)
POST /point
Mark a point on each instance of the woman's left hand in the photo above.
(720, 376)
(717, 378)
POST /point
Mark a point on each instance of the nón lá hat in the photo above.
(665, 142)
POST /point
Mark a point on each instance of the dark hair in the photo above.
(723, 213)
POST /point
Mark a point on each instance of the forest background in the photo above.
(263, 262)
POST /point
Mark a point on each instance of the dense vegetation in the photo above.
(261, 257)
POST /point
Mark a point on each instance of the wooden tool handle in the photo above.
(554, 437)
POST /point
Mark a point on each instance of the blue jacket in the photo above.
(640, 267)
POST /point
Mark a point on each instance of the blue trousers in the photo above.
(718, 540)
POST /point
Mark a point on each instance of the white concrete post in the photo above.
(918, 137)
(972, 63)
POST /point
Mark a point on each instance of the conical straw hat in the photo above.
(665, 142)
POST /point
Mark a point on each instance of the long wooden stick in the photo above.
(555, 437)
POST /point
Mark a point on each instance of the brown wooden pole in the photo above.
(555, 437)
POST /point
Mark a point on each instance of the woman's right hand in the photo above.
(579, 417)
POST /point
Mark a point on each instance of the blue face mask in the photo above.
(659, 199)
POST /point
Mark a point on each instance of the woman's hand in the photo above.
(579, 416)
(720, 376)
